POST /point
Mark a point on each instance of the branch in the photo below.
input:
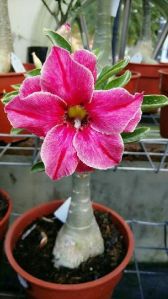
(49, 10)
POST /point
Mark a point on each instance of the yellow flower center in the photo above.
(77, 112)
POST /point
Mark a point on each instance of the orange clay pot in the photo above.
(150, 77)
(6, 80)
(164, 111)
(132, 85)
(4, 221)
(101, 288)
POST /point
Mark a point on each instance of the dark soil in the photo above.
(3, 206)
(37, 259)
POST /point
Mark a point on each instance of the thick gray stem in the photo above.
(80, 237)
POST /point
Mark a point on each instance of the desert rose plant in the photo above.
(83, 119)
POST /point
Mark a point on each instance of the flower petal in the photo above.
(29, 86)
(111, 111)
(83, 167)
(57, 152)
(40, 112)
(98, 150)
(87, 59)
(63, 76)
(133, 122)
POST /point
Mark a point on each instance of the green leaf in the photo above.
(151, 102)
(119, 81)
(33, 73)
(110, 71)
(135, 136)
(57, 39)
(39, 166)
(16, 131)
(16, 86)
(9, 96)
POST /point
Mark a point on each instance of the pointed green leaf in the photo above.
(151, 102)
(111, 71)
(135, 136)
(9, 96)
(119, 81)
(57, 39)
(39, 166)
(16, 131)
(16, 86)
(33, 73)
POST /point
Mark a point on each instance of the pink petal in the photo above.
(29, 86)
(39, 113)
(63, 76)
(111, 111)
(87, 59)
(58, 153)
(98, 150)
(133, 122)
(83, 167)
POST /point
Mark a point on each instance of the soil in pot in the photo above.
(35, 248)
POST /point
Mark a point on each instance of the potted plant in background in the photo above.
(8, 77)
(142, 60)
(84, 121)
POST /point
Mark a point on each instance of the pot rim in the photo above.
(15, 74)
(9, 201)
(163, 71)
(50, 285)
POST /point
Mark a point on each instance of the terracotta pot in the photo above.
(132, 85)
(5, 220)
(37, 289)
(150, 77)
(164, 111)
(6, 80)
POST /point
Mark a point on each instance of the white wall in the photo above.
(28, 18)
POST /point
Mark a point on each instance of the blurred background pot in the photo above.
(6, 80)
(150, 77)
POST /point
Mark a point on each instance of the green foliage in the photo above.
(9, 96)
(16, 86)
(135, 136)
(38, 167)
(119, 81)
(33, 73)
(108, 72)
(16, 131)
(151, 102)
(57, 39)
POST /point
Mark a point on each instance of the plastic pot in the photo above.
(150, 77)
(4, 221)
(132, 85)
(101, 288)
(164, 111)
(6, 80)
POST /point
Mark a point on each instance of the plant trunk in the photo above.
(103, 34)
(80, 237)
(6, 46)
(146, 21)
(144, 45)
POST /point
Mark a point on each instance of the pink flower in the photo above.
(81, 127)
